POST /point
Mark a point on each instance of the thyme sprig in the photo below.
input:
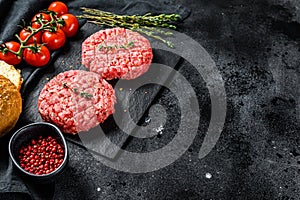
(86, 95)
(147, 24)
(126, 46)
(75, 90)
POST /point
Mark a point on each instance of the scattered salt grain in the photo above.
(208, 175)
(148, 120)
(159, 129)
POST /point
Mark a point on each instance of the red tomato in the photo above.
(70, 26)
(35, 25)
(45, 17)
(37, 58)
(26, 32)
(59, 7)
(54, 40)
(9, 57)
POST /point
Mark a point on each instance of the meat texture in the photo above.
(76, 101)
(117, 53)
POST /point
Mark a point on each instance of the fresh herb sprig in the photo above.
(75, 90)
(126, 46)
(86, 95)
(147, 24)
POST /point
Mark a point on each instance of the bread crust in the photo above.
(10, 72)
(10, 105)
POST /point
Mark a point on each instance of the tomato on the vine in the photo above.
(45, 18)
(59, 7)
(54, 40)
(9, 57)
(36, 56)
(70, 25)
(25, 33)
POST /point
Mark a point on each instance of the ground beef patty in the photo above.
(117, 53)
(76, 101)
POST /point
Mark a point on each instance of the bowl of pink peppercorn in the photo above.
(39, 151)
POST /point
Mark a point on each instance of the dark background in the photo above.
(255, 45)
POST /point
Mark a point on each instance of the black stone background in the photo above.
(255, 45)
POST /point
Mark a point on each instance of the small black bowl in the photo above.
(32, 131)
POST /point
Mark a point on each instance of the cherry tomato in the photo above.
(38, 57)
(45, 17)
(9, 57)
(35, 25)
(70, 26)
(35, 38)
(59, 7)
(54, 40)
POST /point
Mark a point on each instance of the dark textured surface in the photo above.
(255, 45)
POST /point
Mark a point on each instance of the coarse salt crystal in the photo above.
(208, 175)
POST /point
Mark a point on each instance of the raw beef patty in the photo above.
(117, 53)
(76, 101)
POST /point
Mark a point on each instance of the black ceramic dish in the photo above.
(32, 131)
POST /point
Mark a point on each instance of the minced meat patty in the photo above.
(117, 53)
(76, 101)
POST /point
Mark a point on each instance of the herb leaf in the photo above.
(130, 44)
(64, 85)
(75, 90)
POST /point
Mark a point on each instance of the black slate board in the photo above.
(69, 58)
